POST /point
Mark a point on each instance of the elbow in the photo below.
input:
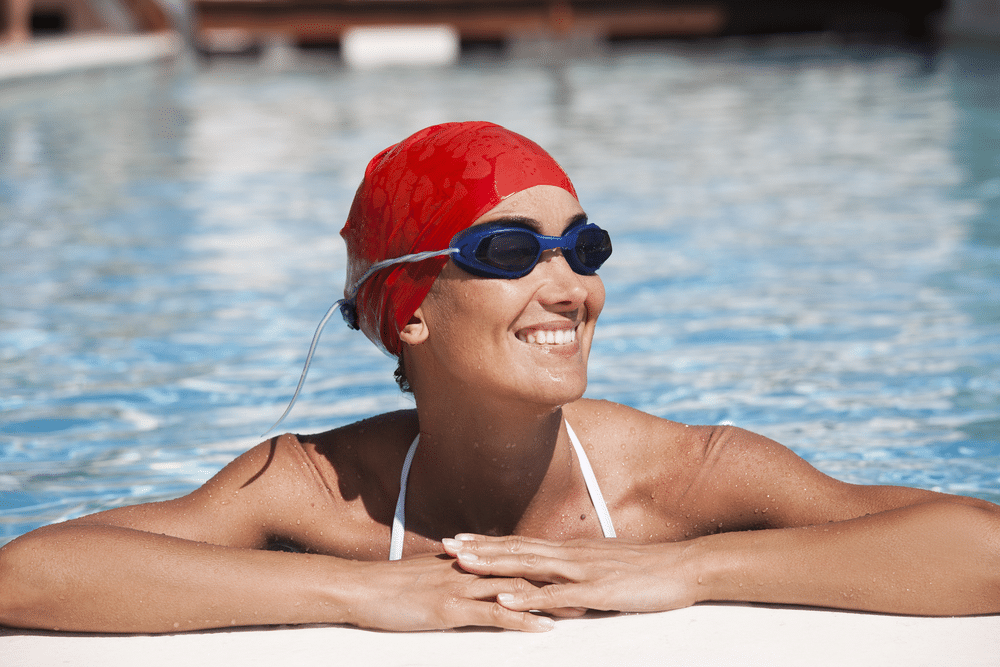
(991, 536)
(13, 597)
(23, 587)
(979, 540)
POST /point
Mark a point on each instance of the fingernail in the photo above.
(451, 544)
(468, 556)
(505, 599)
(465, 537)
(546, 623)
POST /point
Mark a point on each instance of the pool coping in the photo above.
(64, 54)
(712, 635)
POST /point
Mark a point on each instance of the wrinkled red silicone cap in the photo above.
(416, 196)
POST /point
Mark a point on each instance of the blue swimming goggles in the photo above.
(502, 251)
(505, 251)
(488, 251)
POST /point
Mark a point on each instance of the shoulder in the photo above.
(613, 430)
(644, 465)
(717, 478)
(326, 493)
(365, 455)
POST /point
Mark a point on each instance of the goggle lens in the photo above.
(593, 247)
(509, 251)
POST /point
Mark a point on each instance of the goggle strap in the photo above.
(305, 369)
(378, 266)
(347, 304)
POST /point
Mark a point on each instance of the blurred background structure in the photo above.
(25, 19)
(228, 25)
(422, 31)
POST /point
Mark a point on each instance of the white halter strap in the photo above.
(596, 496)
(399, 519)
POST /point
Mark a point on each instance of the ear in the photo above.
(415, 332)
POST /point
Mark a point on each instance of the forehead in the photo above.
(544, 207)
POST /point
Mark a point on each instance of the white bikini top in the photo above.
(399, 520)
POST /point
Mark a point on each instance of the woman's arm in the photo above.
(796, 536)
(94, 578)
(938, 558)
(197, 562)
(935, 558)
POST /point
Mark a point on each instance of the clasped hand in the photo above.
(505, 582)
(573, 576)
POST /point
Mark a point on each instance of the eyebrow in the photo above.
(532, 224)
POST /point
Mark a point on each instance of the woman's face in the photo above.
(527, 338)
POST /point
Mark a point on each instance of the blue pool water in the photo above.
(806, 245)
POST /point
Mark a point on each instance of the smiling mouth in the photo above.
(548, 337)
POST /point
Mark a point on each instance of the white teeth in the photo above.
(559, 337)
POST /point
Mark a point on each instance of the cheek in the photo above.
(461, 312)
(595, 297)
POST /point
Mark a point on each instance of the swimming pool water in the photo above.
(805, 242)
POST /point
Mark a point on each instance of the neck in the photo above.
(484, 470)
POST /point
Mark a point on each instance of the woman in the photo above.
(472, 261)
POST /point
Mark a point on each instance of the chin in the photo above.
(553, 388)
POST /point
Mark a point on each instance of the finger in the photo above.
(530, 566)
(487, 588)
(474, 537)
(566, 612)
(492, 588)
(547, 597)
(495, 615)
(511, 544)
(579, 549)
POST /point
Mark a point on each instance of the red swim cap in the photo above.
(416, 196)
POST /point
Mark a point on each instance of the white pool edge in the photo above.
(58, 55)
(718, 635)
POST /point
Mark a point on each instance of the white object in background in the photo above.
(400, 45)
(58, 55)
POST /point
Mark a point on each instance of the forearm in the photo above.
(932, 559)
(108, 579)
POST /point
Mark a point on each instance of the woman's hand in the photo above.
(432, 592)
(609, 575)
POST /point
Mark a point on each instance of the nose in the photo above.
(561, 285)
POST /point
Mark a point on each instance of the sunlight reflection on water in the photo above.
(805, 245)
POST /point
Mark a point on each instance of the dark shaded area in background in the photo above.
(322, 22)
(914, 19)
